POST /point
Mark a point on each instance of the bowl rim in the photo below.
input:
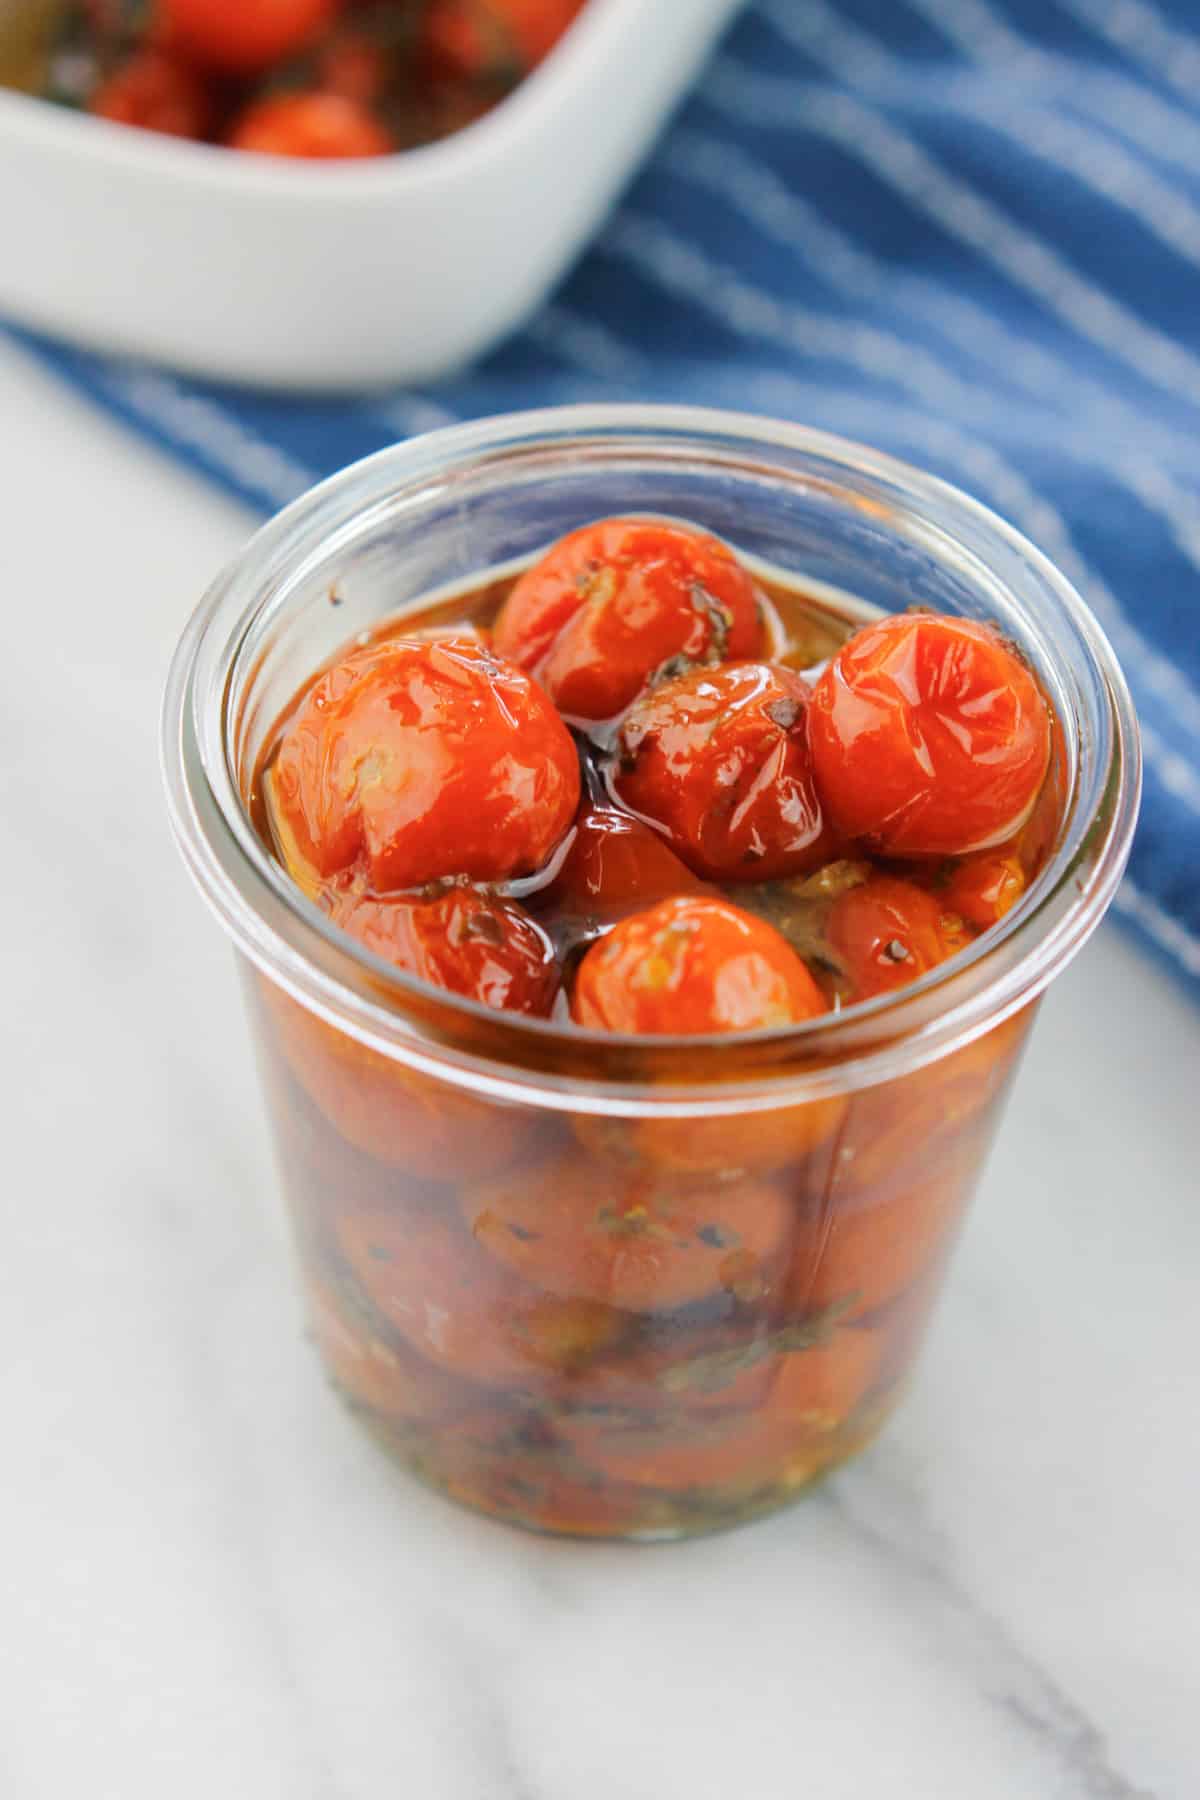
(596, 33)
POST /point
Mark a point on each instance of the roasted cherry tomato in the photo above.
(464, 941)
(981, 889)
(861, 1256)
(385, 1379)
(424, 1129)
(930, 737)
(426, 759)
(310, 125)
(157, 92)
(615, 866)
(629, 1237)
(718, 759)
(461, 1308)
(241, 37)
(493, 40)
(887, 932)
(612, 603)
(932, 1125)
(693, 965)
(787, 1438)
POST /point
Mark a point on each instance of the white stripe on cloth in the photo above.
(677, 265)
(1118, 102)
(1140, 31)
(249, 462)
(758, 194)
(959, 208)
(1167, 933)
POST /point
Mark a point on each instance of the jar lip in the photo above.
(294, 945)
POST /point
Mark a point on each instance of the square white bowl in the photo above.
(306, 275)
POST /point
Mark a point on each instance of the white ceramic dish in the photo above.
(285, 274)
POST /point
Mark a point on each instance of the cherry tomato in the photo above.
(627, 1238)
(930, 737)
(310, 125)
(719, 760)
(384, 1379)
(615, 866)
(689, 965)
(354, 66)
(932, 1125)
(613, 602)
(887, 932)
(462, 1309)
(242, 37)
(866, 1255)
(464, 941)
(788, 1438)
(983, 888)
(492, 40)
(427, 759)
(427, 1129)
(158, 93)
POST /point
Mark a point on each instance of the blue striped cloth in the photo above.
(965, 230)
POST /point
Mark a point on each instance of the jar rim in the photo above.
(523, 1059)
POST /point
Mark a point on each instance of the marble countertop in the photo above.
(213, 1585)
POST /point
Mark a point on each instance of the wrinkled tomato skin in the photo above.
(612, 603)
(887, 933)
(314, 126)
(930, 737)
(486, 949)
(718, 760)
(423, 760)
(690, 965)
(241, 37)
(615, 866)
(627, 1238)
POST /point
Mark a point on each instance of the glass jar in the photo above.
(426, 1144)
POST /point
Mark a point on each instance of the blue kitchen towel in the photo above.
(965, 230)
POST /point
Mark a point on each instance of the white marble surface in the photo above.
(212, 1585)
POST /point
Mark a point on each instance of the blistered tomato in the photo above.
(612, 603)
(310, 125)
(887, 932)
(719, 760)
(241, 36)
(425, 760)
(693, 965)
(487, 949)
(930, 737)
(617, 865)
(157, 92)
(627, 1237)
(461, 1308)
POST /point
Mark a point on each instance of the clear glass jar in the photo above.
(409, 1122)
